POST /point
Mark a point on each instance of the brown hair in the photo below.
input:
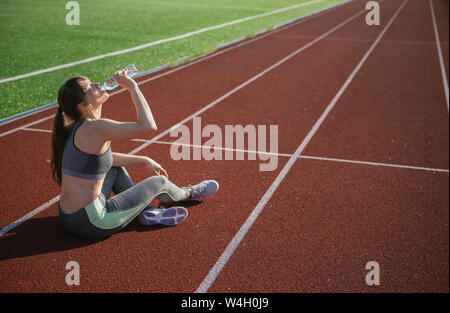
(70, 95)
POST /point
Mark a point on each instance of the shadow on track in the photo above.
(45, 235)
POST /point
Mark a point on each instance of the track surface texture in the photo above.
(367, 183)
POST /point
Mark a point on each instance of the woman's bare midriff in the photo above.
(76, 192)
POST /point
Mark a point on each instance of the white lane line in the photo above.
(301, 20)
(29, 215)
(240, 86)
(26, 126)
(157, 42)
(37, 130)
(375, 164)
(441, 59)
(300, 156)
(215, 147)
(223, 259)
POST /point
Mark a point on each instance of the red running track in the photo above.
(327, 218)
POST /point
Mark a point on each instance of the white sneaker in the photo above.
(203, 189)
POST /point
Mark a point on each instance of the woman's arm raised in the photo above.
(144, 114)
(109, 129)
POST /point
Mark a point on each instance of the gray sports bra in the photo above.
(84, 165)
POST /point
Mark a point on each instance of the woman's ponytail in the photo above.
(59, 138)
(69, 96)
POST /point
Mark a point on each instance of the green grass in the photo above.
(35, 36)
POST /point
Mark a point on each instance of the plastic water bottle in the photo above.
(111, 83)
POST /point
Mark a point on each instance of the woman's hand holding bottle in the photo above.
(124, 81)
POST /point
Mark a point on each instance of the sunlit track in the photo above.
(361, 175)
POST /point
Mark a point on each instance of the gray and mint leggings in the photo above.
(106, 216)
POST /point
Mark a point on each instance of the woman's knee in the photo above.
(112, 173)
(160, 181)
(122, 170)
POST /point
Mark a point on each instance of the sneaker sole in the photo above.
(170, 217)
